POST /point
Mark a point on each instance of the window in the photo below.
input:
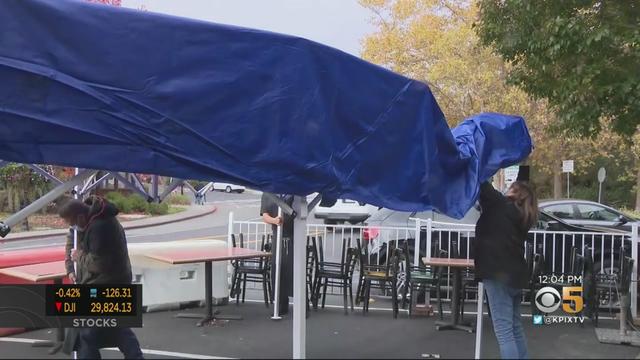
(594, 212)
(543, 221)
(563, 211)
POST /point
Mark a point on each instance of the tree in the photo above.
(19, 186)
(434, 41)
(582, 56)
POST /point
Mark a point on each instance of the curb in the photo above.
(215, 208)
(131, 227)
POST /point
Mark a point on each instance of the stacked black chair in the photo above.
(340, 274)
(251, 270)
(615, 282)
(576, 269)
(312, 264)
(469, 283)
(534, 281)
(590, 288)
(367, 259)
(320, 266)
(420, 278)
(383, 274)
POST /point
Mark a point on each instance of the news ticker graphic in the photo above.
(79, 306)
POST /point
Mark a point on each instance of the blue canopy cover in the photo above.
(101, 87)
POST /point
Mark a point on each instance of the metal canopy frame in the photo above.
(5, 227)
(80, 185)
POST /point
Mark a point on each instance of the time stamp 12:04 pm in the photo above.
(549, 298)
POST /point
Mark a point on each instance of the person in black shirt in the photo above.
(501, 232)
(102, 258)
(269, 213)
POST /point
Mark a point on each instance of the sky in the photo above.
(341, 24)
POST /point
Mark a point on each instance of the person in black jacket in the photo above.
(269, 213)
(501, 232)
(102, 257)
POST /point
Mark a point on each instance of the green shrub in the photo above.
(119, 201)
(137, 203)
(176, 199)
(114, 196)
(158, 209)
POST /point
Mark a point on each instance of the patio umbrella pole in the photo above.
(276, 288)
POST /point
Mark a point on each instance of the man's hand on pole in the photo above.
(75, 254)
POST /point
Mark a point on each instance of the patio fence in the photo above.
(427, 238)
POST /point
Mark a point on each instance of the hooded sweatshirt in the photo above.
(104, 257)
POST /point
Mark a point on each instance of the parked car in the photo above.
(228, 188)
(344, 210)
(587, 213)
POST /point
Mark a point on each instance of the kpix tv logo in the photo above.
(548, 300)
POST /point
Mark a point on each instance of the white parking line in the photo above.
(144, 351)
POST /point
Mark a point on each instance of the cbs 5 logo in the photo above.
(548, 299)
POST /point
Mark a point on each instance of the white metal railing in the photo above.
(554, 246)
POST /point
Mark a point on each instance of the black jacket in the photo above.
(104, 257)
(500, 238)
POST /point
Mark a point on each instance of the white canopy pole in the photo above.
(278, 250)
(299, 277)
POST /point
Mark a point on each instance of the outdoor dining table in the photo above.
(177, 256)
(456, 266)
(36, 273)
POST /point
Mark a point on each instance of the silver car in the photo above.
(587, 213)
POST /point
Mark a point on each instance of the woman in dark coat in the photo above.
(501, 233)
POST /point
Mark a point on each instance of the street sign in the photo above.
(567, 166)
(602, 173)
(511, 173)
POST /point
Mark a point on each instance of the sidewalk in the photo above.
(194, 211)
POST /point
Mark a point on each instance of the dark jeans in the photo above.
(504, 302)
(91, 340)
(286, 273)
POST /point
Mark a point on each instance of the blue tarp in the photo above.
(100, 87)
